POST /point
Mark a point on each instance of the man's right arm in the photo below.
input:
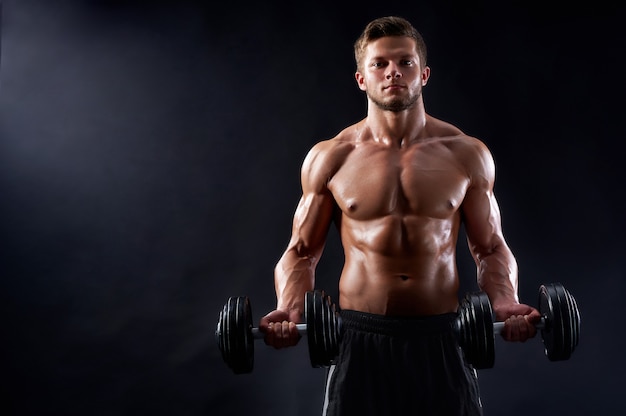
(294, 273)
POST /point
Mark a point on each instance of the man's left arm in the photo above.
(497, 272)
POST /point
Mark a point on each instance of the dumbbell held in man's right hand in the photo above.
(235, 335)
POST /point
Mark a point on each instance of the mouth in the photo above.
(394, 87)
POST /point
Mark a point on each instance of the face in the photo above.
(391, 74)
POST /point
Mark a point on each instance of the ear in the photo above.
(360, 80)
(425, 75)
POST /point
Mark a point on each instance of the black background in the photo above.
(149, 169)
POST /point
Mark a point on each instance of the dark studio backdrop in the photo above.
(149, 169)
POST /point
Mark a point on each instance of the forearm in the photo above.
(498, 275)
(294, 275)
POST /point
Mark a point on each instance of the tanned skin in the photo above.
(398, 184)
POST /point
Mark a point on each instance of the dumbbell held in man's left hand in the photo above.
(559, 325)
(235, 335)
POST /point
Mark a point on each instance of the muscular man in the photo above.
(398, 184)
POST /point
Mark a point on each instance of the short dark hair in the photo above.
(388, 26)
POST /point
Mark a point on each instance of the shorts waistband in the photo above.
(393, 325)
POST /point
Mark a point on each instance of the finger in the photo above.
(512, 330)
(294, 335)
(277, 340)
(277, 331)
(513, 325)
(290, 333)
(284, 334)
(269, 335)
(281, 334)
(523, 329)
(530, 326)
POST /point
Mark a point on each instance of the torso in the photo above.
(399, 221)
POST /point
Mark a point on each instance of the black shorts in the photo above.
(400, 366)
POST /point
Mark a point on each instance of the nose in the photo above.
(392, 72)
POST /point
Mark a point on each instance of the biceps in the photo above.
(311, 222)
(481, 214)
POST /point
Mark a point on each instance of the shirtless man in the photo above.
(398, 184)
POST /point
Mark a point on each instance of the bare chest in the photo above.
(423, 182)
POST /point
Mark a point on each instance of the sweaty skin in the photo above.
(397, 184)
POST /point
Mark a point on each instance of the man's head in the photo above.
(388, 26)
(391, 64)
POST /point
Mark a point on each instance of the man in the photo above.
(398, 184)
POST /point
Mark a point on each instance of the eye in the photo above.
(377, 64)
(407, 62)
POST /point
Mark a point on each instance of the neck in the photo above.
(397, 128)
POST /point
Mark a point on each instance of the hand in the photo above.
(519, 321)
(280, 329)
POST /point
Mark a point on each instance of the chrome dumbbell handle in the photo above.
(499, 326)
(257, 334)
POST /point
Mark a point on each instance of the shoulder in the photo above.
(471, 152)
(325, 158)
(471, 149)
(332, 152)
(477, 160)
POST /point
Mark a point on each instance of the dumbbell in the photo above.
(235, 335)
(559, 325)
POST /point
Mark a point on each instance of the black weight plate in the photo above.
(318, 330)
(332, 330)
(553, 332)
(475, 330)
(576, 319)
(239, 335)
(567, 313)
(249, 338)
(311, 323)
(229, 332)
(233, 339)
(325, 307)
(546, 294)
(335, 332)
(478, 332)
(234, 336)
(472, 331)
(319, 327)
(223, 333)
(567, 324)
(489, 338)
(330, 335)
(570, 322)
(485, 340)
(321, 333)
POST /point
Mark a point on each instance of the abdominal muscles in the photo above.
(399, 265)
